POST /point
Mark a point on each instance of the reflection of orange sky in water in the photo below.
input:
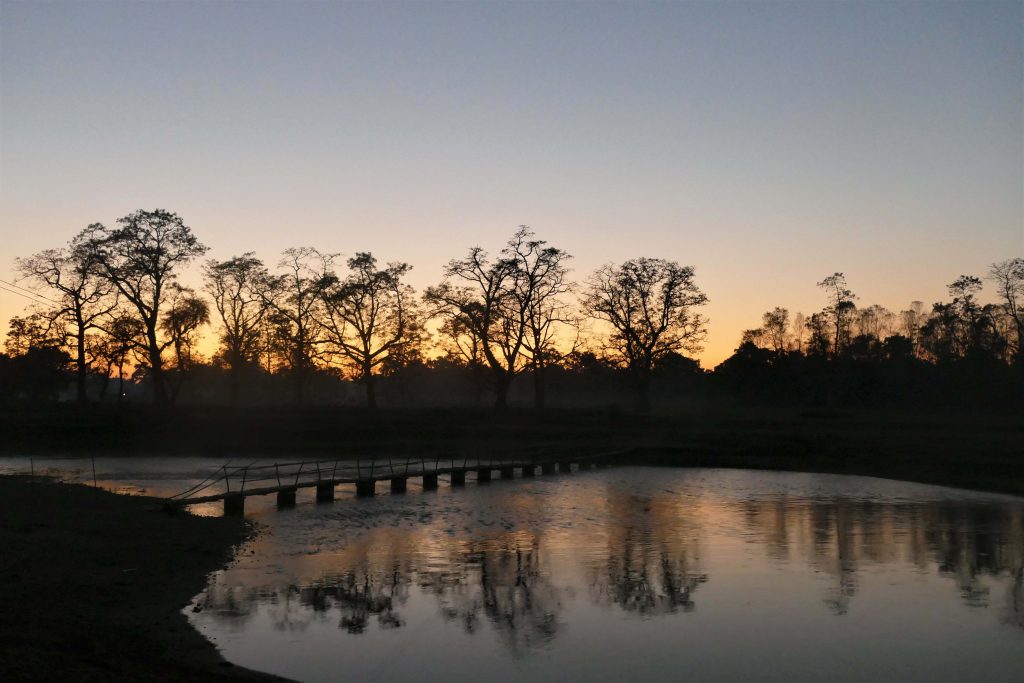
(646, 553)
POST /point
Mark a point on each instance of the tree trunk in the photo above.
(642, 383)
(300, 388)
(539, 396)
(501, 386)
(233, 382)
(371, 391)
(156, 367)
(81, 366)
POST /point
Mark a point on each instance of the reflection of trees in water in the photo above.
(652, 563)
(500, 582)
(967, 541)
(358, 595)
(1015, 601)
(503, 582)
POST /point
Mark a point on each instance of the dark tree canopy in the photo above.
(652, 306)
(370, 316)
(142, 259)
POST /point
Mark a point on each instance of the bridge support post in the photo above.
(366, 487)
(547, 468)
(508, 472)
(398, 484)
(458, 477)
(529, 470)
(483, 474)
(585, 465)
(325, 492)
(286, 498)
(234, 504)
(429, 482)
(565, 466)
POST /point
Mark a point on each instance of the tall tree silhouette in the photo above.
(141, 259)
(542, 282)
(487, 298)
(235, 286)
(1008, 277)
(370, 316)
(295, 300)
(839, 310)
(185, 314)
(81, 297)
(652, 306)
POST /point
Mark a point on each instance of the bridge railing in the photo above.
(233, 479)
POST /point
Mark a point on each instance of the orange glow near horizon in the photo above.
(881, 140)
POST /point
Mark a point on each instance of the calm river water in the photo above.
(632, 574)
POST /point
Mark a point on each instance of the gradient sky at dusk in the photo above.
(767, 144)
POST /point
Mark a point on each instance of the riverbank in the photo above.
(977, 450)
(94, 584)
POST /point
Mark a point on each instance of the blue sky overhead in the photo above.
(767, 144)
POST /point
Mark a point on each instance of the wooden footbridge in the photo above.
(234, 483)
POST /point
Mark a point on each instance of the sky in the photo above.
(767, 144)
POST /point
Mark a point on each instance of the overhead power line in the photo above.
(29, 291)
(32, 298)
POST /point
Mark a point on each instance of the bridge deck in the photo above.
(239, 482)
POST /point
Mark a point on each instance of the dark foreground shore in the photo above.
(93, 585)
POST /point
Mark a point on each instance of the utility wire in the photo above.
(32, 298)
(35, 294)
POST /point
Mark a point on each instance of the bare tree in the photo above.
(911, 321)
(141, 259)
(819, 342)
(295, 299)
(81, 297)
(235, 287)
(370, 316)
(775, 324)
(839, 310)
(874, 321)
(542, 282)
(799, 331)
(186, 313)
(485, 298)
(1008, 277)
(652, 306)
(463, 346)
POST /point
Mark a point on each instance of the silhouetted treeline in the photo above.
(111, 321)
(960, 353)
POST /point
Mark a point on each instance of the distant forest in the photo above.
(110, 322)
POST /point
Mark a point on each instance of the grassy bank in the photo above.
(970, 450)
(94, 583)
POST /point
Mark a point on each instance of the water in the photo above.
(624, 574)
